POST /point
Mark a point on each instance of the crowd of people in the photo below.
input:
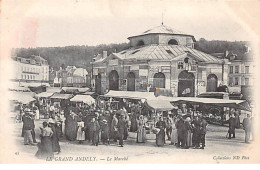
(108, 124)
(187, 131)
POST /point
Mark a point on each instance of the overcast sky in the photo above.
(78, 22)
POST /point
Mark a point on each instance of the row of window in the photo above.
(231, 69)
(235, 81)
(34, 70)
(32, 77)
(76, 80)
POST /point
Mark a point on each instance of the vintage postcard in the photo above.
(120, 82)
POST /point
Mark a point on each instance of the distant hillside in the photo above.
(217, 46)
(81, 56)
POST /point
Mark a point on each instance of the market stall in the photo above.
(215, 110)
(86, 99)
(60, 99)
(130, 94)
(159, 105)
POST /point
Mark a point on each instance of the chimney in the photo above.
(104, 54)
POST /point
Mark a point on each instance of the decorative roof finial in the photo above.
(162, 18)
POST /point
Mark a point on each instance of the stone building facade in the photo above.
(33, 69)
(160, 58)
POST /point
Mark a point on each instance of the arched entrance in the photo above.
(113, 80)
(159, 80)
(173, 42)
(130, 81)
(212, 83)
(186, 87)
(140, 43)
(98, 83)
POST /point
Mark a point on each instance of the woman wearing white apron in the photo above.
(80, 132)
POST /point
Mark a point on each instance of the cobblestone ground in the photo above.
(217, 145)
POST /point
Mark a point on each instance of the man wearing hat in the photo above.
(27, 127)
(196, 131)
(94, 128)
(105, 132)
(121, 129)
(114, 129)
(203, 130)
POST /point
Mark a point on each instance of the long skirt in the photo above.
(133, 126)
(55, 144)
(141, 135)
(174, 136)
(94, 136)
(114, 135)
(80, 134)
(71, 129)
(160, 138)
(189, 139)
(44, 148)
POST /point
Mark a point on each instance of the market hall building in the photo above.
(159, 58)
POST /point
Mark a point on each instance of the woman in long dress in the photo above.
(45, 147)
(71, 126)
(141, 133)
(174, 135)
(55, 137)
(133, 122)
(160, 137)
(80, 132)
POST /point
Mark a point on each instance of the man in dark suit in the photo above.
(232, 126)
(121, 129)
(196, 131)
(203, 130)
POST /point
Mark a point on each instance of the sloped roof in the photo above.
(61, 96)
(44, 94)
(164, 52)
(162, 29)
(22, 97)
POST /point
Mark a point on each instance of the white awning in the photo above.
(53, 89)
(83, 98)
(61, 96)
(239, 104)
(130, 94)
(160, 105)
(22, 97)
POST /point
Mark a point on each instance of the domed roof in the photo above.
(162, 29)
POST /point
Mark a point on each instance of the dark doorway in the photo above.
(173, 42)
(130, 81)
(140, 43)
(159, 80)
(113, 80)
(186, 87)
(212, 83)
(98, 83)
